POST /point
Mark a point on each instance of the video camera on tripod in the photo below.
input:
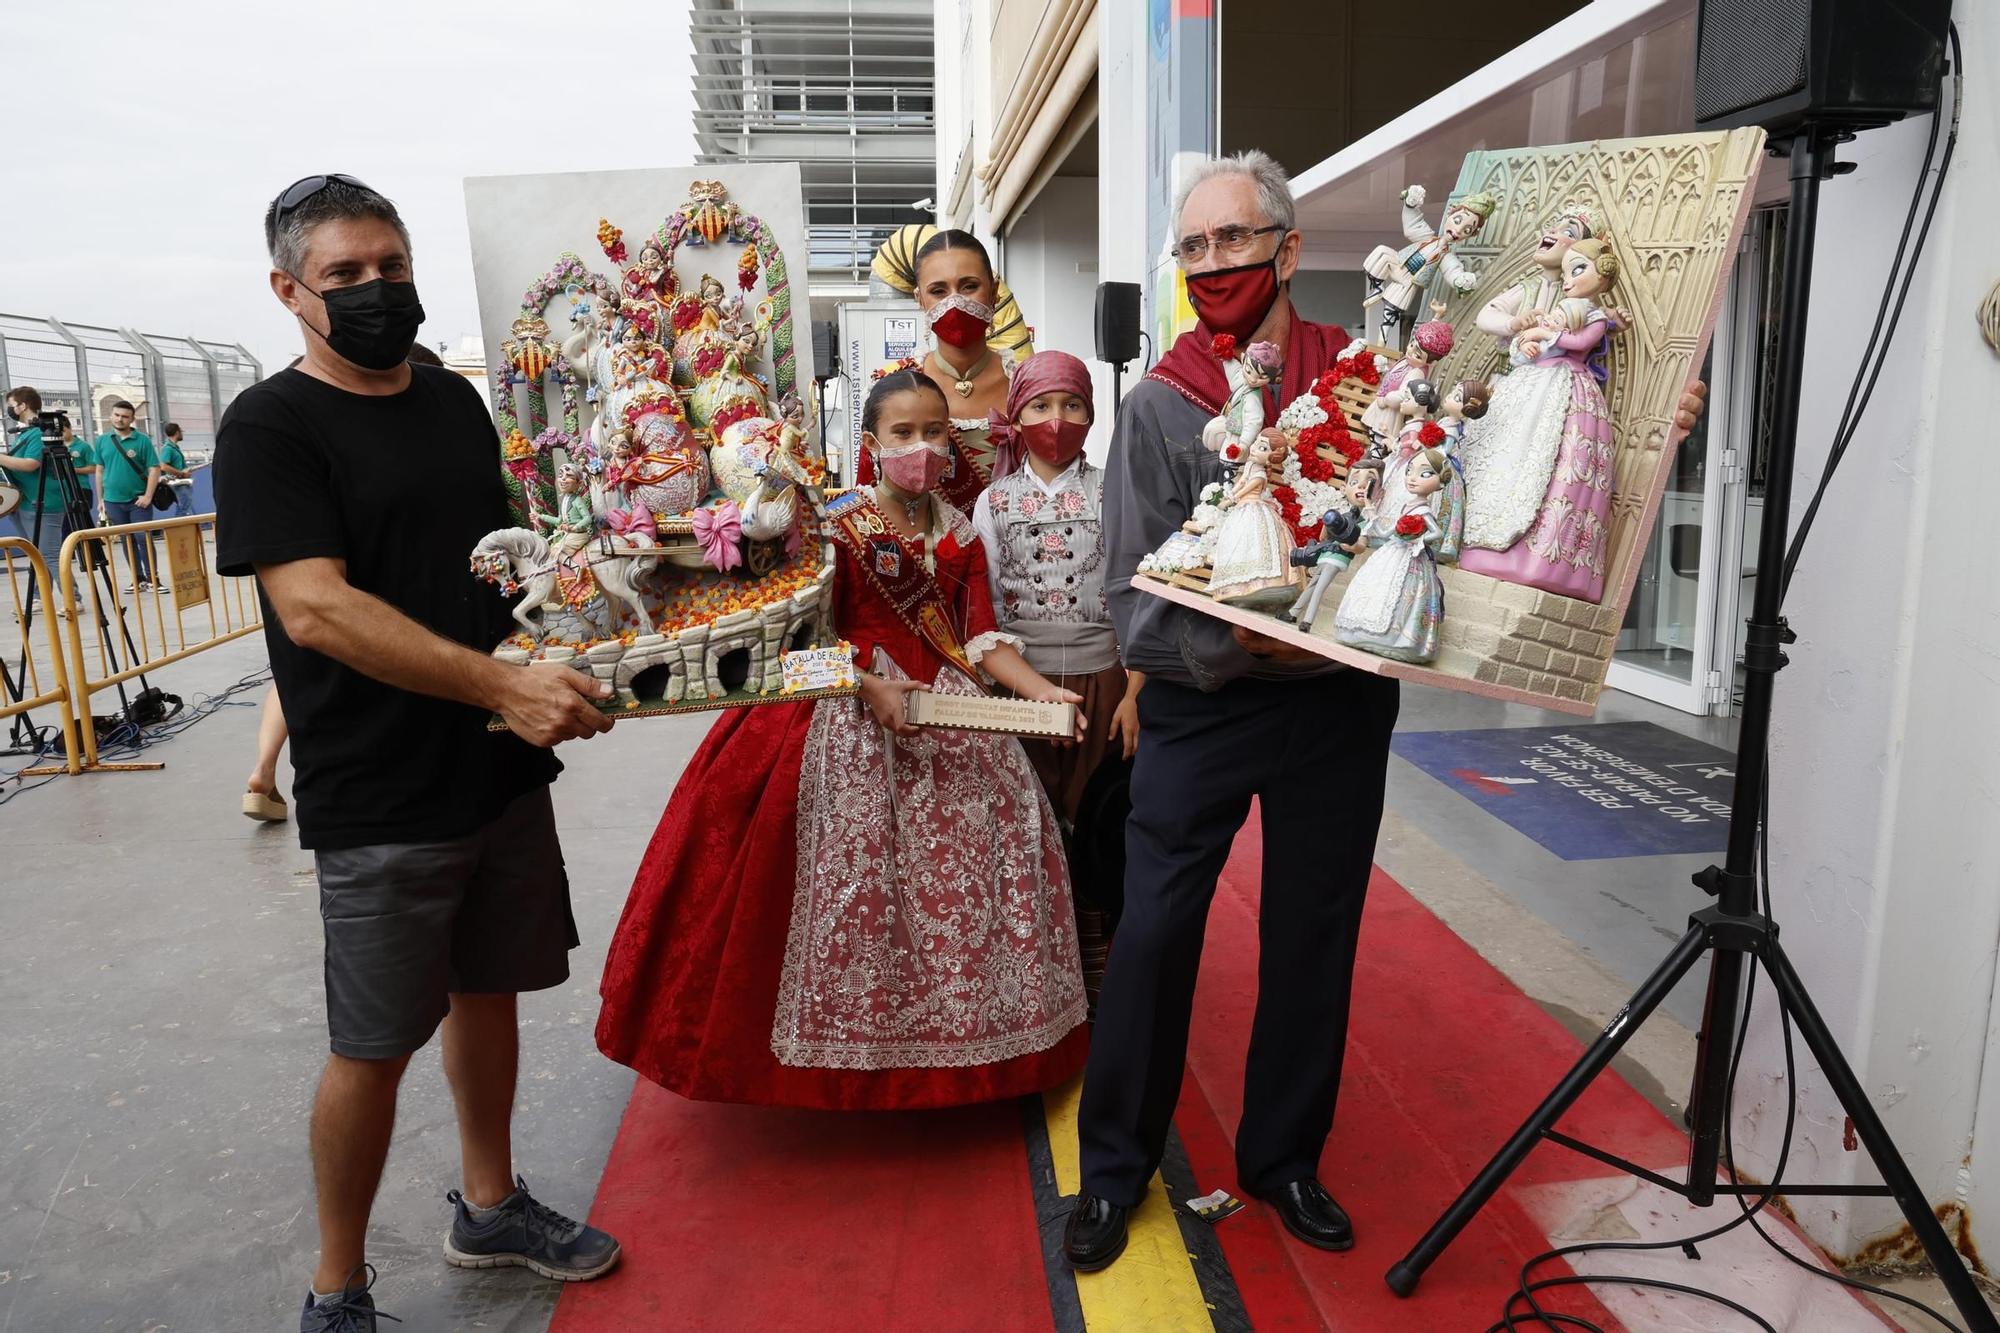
(59, 465)
(72, 501)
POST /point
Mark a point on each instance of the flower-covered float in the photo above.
(668, 531)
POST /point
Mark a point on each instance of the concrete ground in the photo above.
(159, 966)
(160, 973)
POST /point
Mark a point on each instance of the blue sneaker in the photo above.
(522, 1233)
(353, 1311)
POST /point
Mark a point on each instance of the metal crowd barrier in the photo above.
(157, 631)
(29, 679)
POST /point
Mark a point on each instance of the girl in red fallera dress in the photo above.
(838, 909)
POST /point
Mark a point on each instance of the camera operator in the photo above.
(40, 516)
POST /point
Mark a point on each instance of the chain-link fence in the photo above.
(82, 368)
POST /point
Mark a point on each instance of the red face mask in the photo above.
(1235, 300)
(1055, 440)
(960, 320)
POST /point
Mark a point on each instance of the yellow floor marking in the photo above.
(1152, 1286)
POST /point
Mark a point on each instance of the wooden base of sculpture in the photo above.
(618, 711)
(1502, 641)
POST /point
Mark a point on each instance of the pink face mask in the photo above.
(915, 469)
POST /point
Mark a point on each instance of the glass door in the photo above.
(1678, 645)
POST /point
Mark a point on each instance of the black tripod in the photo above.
(75, 502)
(1734, 929)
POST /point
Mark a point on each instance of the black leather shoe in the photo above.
(1095, 1234)
(1311, 1214)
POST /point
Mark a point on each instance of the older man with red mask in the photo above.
(1228, 715)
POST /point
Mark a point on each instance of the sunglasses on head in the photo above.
(306, 187)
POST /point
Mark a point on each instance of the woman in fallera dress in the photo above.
(838, 909)
(958, 294)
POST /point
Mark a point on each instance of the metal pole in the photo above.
(214, 386)
(155, 375)
(6, 379)
(1404, 1274)
(256, 366)
(1735, 885)
(1867, 1126)
(86, 409)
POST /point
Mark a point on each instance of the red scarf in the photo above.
(1192, 371)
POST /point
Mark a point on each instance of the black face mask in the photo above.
(373, 324)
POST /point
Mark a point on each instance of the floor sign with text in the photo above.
(1588, 792)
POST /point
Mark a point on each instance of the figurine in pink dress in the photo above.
(1539, 465)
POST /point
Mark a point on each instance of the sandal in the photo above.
(266, 807)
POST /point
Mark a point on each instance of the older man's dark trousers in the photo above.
(1315, 754)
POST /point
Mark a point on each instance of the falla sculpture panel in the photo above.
(1508, 462)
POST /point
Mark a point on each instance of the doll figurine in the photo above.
(1249, 566)
(637, 358)
(618, 469)
(1524, 304)
(1467, 401)
(1242, 418)
(1538, 340)
(1340, 531)
(570, 528)
(1431, 341)
(652, 266)
(1539, 465)
(1394, 606)
(714, 302)
(1398, 277)
(1420, 432)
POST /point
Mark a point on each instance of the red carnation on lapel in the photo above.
(1430, 435)
(1223, 347)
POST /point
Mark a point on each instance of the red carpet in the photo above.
(1445, 1058)
(737, 1218)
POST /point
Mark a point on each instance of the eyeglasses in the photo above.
(1230, 240)
(307, 186)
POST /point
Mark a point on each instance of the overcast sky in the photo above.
(146, 138)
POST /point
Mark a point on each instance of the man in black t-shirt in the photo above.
(354, 485)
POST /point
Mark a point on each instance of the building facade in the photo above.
(843, 88)
(1066, 127)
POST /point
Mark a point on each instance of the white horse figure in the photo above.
(523, 558)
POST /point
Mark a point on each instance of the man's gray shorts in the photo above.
(408, 924)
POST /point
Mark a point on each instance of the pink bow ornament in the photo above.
(631, 522)
(719, 529)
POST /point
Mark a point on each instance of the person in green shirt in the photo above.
(21, 468)
(40, 517)
(127, 471)
(175, 471)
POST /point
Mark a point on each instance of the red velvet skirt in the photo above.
(691, 984)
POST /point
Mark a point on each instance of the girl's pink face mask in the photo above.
(915, 469)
